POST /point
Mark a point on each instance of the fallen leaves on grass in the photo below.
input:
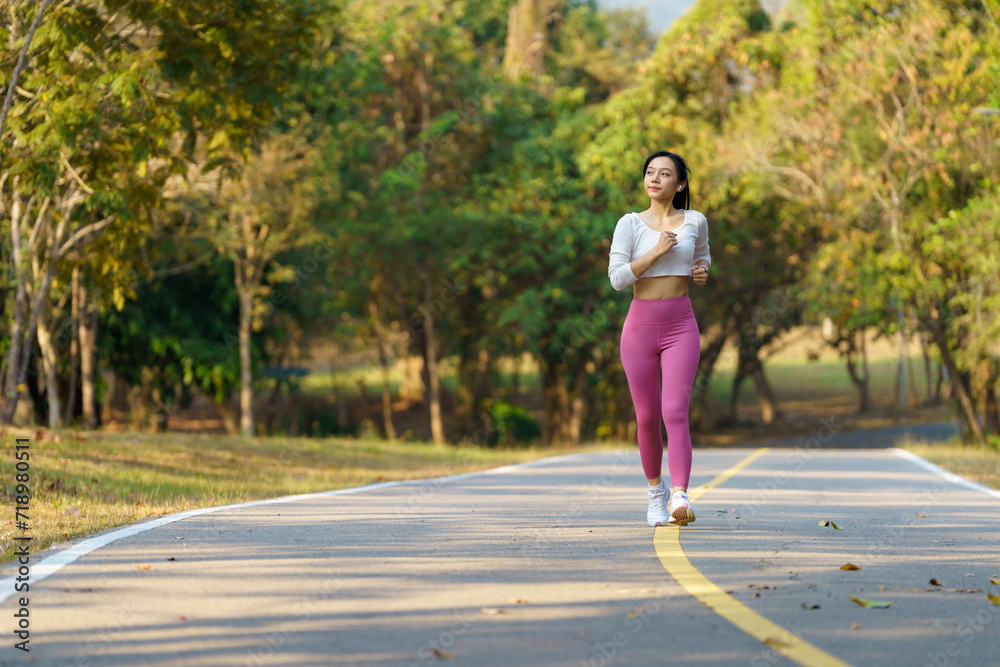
(871, 604)
(849, 566)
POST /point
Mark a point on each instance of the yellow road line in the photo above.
(666, 541)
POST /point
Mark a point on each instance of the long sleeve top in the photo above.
(633, 238)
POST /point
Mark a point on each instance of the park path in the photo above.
(547, 563)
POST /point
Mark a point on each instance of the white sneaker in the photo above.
(657, 513)
(680, 510)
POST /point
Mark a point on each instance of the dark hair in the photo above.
(682, 199)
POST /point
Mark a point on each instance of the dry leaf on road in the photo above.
(871, 604)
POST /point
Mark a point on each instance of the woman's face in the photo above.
(661, 181)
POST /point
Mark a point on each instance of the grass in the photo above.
(84, 483)
(980, 463)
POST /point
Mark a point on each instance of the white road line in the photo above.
(60, 559)
(950, 476)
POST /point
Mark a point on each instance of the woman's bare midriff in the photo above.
(660, 287)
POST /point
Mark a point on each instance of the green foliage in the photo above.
(514, 424)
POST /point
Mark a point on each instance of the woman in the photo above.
(664, 246)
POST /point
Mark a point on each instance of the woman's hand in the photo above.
(666, 241)
(700, 274)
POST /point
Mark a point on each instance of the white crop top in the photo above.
(633, 238)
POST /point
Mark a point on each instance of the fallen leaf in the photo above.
(518, 601)
(995, 599)
(835, 526)
(590, 531)
(447, 655)
(144, 566)
(492, 610)
(935, 582)
(777, 643)
(923, 515)
(171, 558)
(871, 604)
(635, 612)
(806, 606)
(849, 566)
(824, 523)
(995, 581)
(755, 595)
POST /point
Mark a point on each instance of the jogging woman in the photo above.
(658, 250)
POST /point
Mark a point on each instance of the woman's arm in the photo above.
(702, 256)
(621, 271)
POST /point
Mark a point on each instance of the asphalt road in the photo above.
(548, 563)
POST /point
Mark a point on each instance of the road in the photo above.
(547, 563)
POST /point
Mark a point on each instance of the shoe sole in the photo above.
(681, 516)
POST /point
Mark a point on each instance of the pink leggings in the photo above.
(662, 334)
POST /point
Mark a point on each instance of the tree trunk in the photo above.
(88, 341)
(483, 387)
(50, 362)
(769, 409)
(383, 357)
(552, 424)
(859, 379)
(911, 378)
(433, 382)
(925, 351)
(74, 353)
(42, 279)
(942, 370)
(229, 416)
(246, 379)
(734, 393)
(524, 52)
(390, 430)
(14, 379)
(900, 367)
(704, 409)
(578, 401)
(961, 392)
(991, 413)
